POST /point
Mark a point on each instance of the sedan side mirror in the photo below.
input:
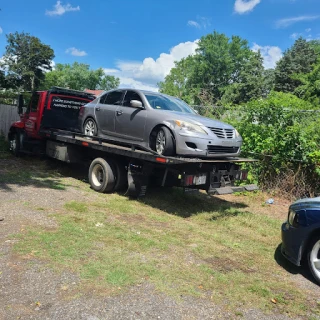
(136, 104)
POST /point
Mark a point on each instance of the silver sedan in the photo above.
(160, 122)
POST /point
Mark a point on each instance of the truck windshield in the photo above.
(160, 102)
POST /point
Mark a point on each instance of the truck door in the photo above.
(32, 118)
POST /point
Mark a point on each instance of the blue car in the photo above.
(301, 234)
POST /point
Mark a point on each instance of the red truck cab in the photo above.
(57, 108)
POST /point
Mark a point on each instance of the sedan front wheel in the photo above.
(164, 144)
(314, 258)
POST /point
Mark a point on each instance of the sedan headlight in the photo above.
(190, 126)
(237, 134)
(293, 218)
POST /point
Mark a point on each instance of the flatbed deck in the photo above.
(132, 151)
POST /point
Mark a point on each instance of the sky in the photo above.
(139, 40)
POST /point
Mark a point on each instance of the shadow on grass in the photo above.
(291, 268)
(37, 172)
(50, 173)
(175, 201)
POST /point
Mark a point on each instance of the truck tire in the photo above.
(102, 175)
(15, 145)
(164, 144)
(121, 177)
(90, 128)
(313, 257)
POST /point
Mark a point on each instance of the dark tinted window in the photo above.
(34, 102)
(113, 97)
(103, 98)
(130, 95)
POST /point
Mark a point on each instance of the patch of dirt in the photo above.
(226, 265)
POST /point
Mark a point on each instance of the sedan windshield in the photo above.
(168, 103)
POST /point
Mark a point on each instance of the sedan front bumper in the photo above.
(208, 146)
(291, 247)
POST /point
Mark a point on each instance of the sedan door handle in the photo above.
(119, 113)
(97, 109)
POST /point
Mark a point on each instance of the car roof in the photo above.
(315, 201)
(142, 91)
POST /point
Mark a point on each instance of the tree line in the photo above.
(225, 71)
(27, 66)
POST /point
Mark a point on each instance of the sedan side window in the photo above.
(103, 98)
(114, 97)
(131, 95)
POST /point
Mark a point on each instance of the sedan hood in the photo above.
(197, 119)
(307, 201)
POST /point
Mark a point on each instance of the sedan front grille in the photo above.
(222, 149)
(223, 133)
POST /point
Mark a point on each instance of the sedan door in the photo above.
(105, 111)
(130, 122)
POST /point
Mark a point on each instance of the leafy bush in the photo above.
(282, 131)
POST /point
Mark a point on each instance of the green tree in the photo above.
(108, 82)
(250, 82)
(79, 76)
(26, 59)
(300, 58)
(177, 84)
(2, 79)
(221, 61)
(268, 82)
(223, 70)
(309, 89)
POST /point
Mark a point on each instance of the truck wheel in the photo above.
(313, 257)
(90, 128)
(101, 175)
(164, 142)
(121, 177)
(15, 145)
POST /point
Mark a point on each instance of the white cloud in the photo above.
(201, 22)
(192, 23)
(243, 6)
(295, 35)
(283, 23)
(59, 9)
(270, 54)
(76, 52)
(308, 30)
(106, 70)
(147, 73)
(1, 31)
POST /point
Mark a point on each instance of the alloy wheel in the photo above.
(160, 142)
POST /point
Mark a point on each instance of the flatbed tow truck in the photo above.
(112, 166)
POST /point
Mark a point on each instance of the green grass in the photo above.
(195, 245)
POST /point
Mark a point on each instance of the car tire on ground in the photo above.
(164, 142)
(15, 145)
(90, 128)
(102, 175)
(313, 257)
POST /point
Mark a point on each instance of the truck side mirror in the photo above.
(20, 104)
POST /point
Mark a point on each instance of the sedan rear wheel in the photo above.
(314, 258)
(164, 144)
(90, 128)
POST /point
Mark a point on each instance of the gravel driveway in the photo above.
(31, 290)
